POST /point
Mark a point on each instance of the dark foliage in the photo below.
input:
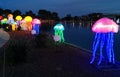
(16, 52)
(43, 40)
(46, 27)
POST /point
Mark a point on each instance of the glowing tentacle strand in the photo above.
(101, 47)
(95, 46)
(112, 51)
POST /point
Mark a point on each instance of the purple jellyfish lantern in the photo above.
(104, 39)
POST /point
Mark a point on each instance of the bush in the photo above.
(43, 40)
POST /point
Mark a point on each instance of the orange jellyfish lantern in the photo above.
(28, 20)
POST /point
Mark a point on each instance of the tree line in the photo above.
(48, 15)
(42, 14)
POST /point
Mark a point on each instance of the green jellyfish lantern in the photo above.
(58, 31)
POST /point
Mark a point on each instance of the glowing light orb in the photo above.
(104, 29)
(33, 32)
(56, 38)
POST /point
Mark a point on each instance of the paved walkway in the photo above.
(59, 61)
(4, 37)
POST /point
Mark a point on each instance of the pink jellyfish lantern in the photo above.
(104, 29)
(36, 25)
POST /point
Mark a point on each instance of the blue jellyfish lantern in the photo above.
(104, 39)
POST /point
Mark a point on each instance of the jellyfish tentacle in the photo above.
(112, 51)
(101, 48)
(108, 47)
(95, 46)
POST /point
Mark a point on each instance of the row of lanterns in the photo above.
(28, 23)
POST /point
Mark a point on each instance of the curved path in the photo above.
(56, 61)
(4, 37)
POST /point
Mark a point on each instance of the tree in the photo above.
(16, 13)
(55, 16)
(1, 11)
(30, 13)
(6, 12)
(44, 14)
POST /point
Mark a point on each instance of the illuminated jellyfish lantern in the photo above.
(10, 19)
(1, 17)
(36, 26)
(11, 22)
(59, 28)
(18, 21)
(4, 21)
(28, 20)
(104, 39)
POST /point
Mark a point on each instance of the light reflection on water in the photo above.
(83, 37)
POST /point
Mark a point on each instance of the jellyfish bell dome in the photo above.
(58, 27)
(28, 19)
(36, 21)
(18, 18)
(10, 16)
(105, 25)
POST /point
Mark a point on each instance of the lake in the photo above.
(83, 37)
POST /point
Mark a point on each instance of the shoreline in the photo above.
(81, 48)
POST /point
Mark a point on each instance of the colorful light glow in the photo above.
(36, 25)
(10, 15)
(105, 25)
(28, 21)
(18, 18)
(36, 21)
(104, 29)
(1, 17)
(59, 28)
(56, 38)
(4, 21)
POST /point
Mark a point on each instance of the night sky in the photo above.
(63, 7)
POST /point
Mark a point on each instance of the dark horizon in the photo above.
(64, 7)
